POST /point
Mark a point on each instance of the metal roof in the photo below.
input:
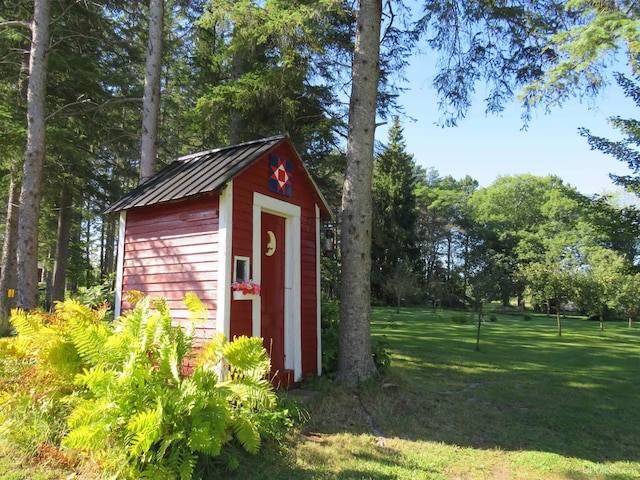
(196, 174)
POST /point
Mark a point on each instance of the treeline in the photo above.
(231, 71)
(449, 242)
(240, 70)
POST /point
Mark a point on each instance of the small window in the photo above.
(241, 273)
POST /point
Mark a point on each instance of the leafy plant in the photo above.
(37, 368)
(142, 413)
(330, 321)
(381, 353)
(460, 318)
(330, 342)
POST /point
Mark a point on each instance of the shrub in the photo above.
(149, 417)
(460, 318)
(381, 354)
(331, 344)
(126, 400)
(37, 368)
(330, 331)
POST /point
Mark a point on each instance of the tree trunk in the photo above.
(108, 247)
(355, 359)
(62, 246)
(151, 98)
(27, 247)
(9, 274)
(479, 327)
(559, 322)
(47, 275)
(601, 321)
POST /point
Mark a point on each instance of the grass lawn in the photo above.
(528, 405)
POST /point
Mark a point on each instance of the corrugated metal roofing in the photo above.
(196, 174)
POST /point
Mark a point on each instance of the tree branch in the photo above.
(16, 23)
(94, 107)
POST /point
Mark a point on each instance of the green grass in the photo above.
(528, 405)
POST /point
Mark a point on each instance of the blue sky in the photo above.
(487, 146)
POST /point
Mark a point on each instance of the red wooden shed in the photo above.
(245, 212)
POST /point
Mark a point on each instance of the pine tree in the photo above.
(627, 149)
(394, 239)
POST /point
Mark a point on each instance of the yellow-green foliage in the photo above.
(38, 367)
(125, 398)
(140, 411)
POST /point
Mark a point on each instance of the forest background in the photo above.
(236, 71)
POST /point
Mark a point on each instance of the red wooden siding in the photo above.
(171, 249)
(255, 179)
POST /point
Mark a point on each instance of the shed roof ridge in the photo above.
(230, 147)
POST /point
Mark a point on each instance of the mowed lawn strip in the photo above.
(528, 404)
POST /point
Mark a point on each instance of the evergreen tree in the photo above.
(627, 149)
(394, 239)
(443, 223)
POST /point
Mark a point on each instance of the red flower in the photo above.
(247, 287)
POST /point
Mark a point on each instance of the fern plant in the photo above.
(38, 368)
(138, 409)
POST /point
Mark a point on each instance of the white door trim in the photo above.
(225, 237)
(292, 287)
(122, 228)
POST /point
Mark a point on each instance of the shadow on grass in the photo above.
(526, 389)
(528, 397)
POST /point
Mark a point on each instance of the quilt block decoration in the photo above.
(280, 175)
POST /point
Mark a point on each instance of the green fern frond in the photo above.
(181, 463)
(153, 472)
(247, 434)
(149, 332)
(255, 395)
(198, 312)
(169, 361)
(207, 432)
(87, 437)
(145, 429)
(97, 379)
(15, 347)
(62, 356)
(89, 340)
(211, 354)
(183, 339)
(71, 309)
(89, 412)
(133, 321)
(25, 323)
(168, 443)
(203, 379)
(187, 466)
(247, 356)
